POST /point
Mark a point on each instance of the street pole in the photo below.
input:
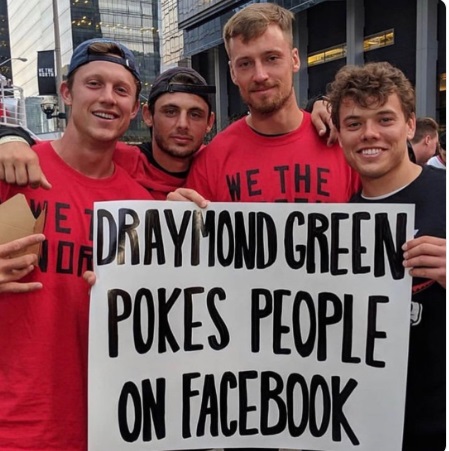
(61, 106)
(10, 59)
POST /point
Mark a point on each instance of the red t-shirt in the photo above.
(44, 334)
(157, 181)
(240, 165)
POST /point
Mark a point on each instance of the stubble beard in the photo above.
(173, 152)
(270, 106)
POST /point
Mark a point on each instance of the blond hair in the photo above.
(253, 20)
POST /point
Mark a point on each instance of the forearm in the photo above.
(19, 164)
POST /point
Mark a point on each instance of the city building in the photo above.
(33, 29)
(172, 42)
(410, 34)
(5, 54)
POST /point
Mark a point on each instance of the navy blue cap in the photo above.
(165, 83)
(83, 55)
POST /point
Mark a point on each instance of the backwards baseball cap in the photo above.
(181, 79)
(84, 54)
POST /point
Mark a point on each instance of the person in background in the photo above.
(373, 109)
(274, 153)
(425, 140)
(439, 160)
(44, 332)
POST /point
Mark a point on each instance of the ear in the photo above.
(147, 116)
(66, 95)
(231, 70)
(411, 126)
(296, 60)
(210, 122)
(135, 109)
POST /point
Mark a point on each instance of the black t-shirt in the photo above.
(147, 150)
(425, 418)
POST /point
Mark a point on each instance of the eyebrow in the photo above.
(174, 105)
(104, 76)
(274, 50)
(378, 113)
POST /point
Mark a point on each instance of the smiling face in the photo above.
(102, 100)
(374, 140)
(263, 69)
(179, 125)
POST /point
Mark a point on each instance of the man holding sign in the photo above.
(373, 109)
(273, 154)
(43, 333)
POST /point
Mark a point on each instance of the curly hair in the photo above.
(370, 85)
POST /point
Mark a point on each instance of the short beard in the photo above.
(271, 107)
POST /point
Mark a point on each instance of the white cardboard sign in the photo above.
(248, 325)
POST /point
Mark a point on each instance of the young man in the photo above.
(425, 139)
(179, 114)
(274, 153)
(44, 333)
(373, 108)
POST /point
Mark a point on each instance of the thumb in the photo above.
(44, 182)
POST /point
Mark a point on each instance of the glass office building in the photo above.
(132, 22)
(410, 34)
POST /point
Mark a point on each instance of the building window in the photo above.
(375, 41)
(442, 83)
(330, 54)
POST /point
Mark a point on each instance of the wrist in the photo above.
(13, 138)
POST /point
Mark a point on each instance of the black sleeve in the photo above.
(310, 102)
(16, 131)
